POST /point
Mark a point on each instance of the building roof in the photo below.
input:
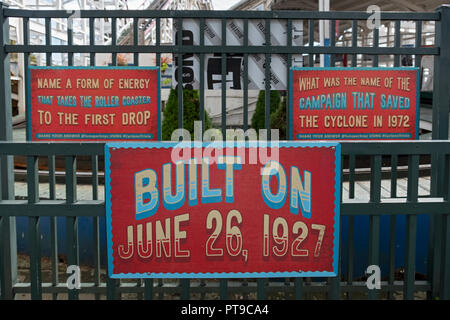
(359, 5)
(346, 5)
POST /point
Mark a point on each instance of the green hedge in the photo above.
(191, 113)
(258, 119)
(278, 119)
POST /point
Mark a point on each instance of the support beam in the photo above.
(408, 4)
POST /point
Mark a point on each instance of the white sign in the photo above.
(235, 61)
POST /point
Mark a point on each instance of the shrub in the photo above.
(191, 113)
(278, 120)
(258, 119)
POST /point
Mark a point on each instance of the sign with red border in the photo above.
(222, 211)
(354, 104)
(93, 103)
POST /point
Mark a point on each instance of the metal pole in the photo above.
(441, 76)
(441, 101)
(324, 32)
(440, 123)
(8, 242)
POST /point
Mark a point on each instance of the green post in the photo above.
(374, 220)
(223, 289)
(8, 242)
(441, 88)
(441, 80)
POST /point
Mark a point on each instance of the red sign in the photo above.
(354, 103)
(214, 211)
(93, 103)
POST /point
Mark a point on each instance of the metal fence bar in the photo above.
(202, 76)
(157, 42)
(136, 39)
(397, 42)
(335, 282)
(368, 148)
(91, 41)
(71, 222)
(34, 229)
(190, 49)
(314, 288)
(412, 223)
(185, 289)
(54, 208)
(96, 225)
(48, 149)
(333, 42)
(394, 175)
(445, 265)
(445, 284)
(114, 41)
(298, 288)
(376, 43)
(288, 80)
(140, 283)
(441, 81)
(351, 252)
(51, 163)
(267, 80)
(26, 64)
(48, 41)
(418, 42)
(71, 195)
(351, 223)
(70, 40)
(353, 208)
(440, 131)
(3, 261)
(411, 227)
(374, 221)
(285, 14)
(223, 71)
(179, 64)
(87, 208)
(245, 76)
(287, 284)
(354, 42)
(8, 251)
(160, 292)
(148, 294)
(223, 289)
(111, 289)
(392, 239)
(435, 231)
(392, 226)
(311, 41)
(53, 224)
(261, 293)
(351, 175)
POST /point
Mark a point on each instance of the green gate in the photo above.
(381, 155)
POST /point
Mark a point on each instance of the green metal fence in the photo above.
(436, 204)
